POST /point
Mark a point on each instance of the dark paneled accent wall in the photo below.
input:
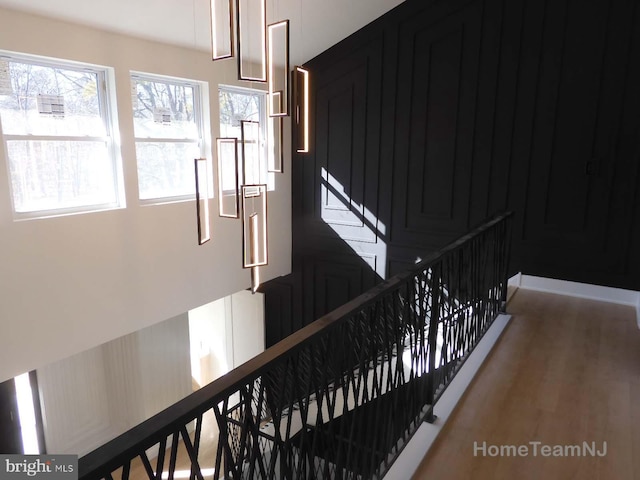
(442, 113)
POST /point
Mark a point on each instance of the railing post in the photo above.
(432, 340)
(505, 258)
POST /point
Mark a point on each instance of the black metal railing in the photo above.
(339, 398)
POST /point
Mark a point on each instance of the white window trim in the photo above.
(105, 79)
(200, 112)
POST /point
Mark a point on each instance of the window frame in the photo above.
(105, 91)
(199, 113)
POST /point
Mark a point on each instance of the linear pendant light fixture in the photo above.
(251, 152)
(301, 95)
(263, 56)
(255, 279)
(221, 29)
(275, 158)
(278, 61)
(228, 177)
(252, 40)
(202, 200)
(254, 225)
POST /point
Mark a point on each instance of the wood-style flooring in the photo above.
(564, 372)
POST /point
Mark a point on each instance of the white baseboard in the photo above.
(515, 280)
(581, 290)
(413, 453)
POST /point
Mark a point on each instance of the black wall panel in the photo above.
(568, 172)
(442, 113)
(435, 115)
(283, 309)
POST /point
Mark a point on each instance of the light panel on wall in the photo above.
(202, 199)
(228, 177)
(221, 29)
(301, 88)
(254, 225)
(252, 40)
(278, 60)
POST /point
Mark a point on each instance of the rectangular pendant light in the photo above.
(276, 154)
(228, 177)
(221, 29)
(252, 40)
(301, 87)
(254, 225)
(250, 146)
(278, 58)
(202, 200)
(255, 279)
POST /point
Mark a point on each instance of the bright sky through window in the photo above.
(168, 128)
(55, 125)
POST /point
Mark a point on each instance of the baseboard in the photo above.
(580, 290)
(414, 452)
(515, 280)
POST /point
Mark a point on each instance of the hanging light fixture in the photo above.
(221, 29)
(254, 225)
(255, 279)
(251, 152)
(278, 61)
(276, 153)
(301, 88)
(263, 56)
(252, 40)
(228, 177)
(202, 200)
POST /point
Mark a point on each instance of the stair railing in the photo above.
(339, 398)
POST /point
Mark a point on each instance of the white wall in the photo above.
(226, 333)
(165, 362)
(90, 398)
(208, 337)
(70, 283)
(74, 395)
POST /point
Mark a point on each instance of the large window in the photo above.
(243, 116)
(56, 129)
(168, 128)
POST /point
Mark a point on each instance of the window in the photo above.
(57, 135)
(168, 128)
(243, 116)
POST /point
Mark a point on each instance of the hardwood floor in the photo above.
(565, 371)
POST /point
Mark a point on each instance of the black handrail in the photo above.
(306, 376)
